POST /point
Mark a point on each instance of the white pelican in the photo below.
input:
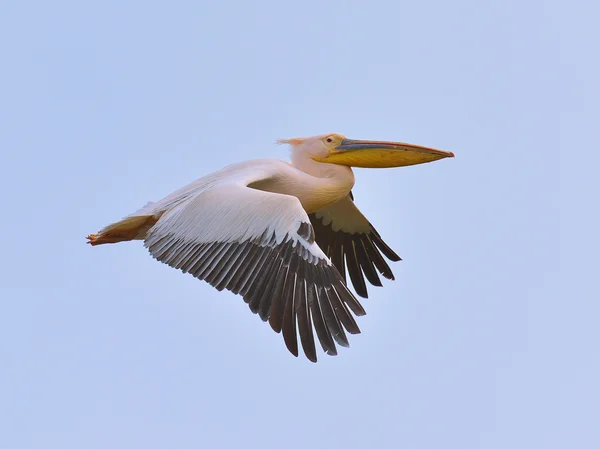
(279, 234)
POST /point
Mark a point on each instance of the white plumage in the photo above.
(279, 235)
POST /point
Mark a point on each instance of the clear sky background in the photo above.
(488, 338)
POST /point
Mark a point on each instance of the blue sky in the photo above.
(487, 339)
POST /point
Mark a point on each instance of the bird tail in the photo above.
(130, 228)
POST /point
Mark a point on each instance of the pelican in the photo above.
(280, 234)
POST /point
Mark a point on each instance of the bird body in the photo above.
(279, 234)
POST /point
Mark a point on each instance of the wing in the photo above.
(345, 235)
(261, 246)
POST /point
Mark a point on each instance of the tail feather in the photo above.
(129, 228)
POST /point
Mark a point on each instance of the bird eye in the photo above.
(329, 140)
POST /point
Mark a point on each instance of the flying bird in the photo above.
(282, 235)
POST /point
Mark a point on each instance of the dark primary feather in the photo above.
(284, 283)
(360, 253)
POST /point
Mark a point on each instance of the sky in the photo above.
(488, 338)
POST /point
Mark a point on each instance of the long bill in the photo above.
(380, 154)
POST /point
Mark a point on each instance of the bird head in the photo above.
(339, 150)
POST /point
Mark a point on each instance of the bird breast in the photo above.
(314, 192)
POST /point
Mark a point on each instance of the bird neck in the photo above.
(320, 169)
(330, 182)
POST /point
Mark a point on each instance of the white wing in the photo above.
(345, 235)
(260, 245)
